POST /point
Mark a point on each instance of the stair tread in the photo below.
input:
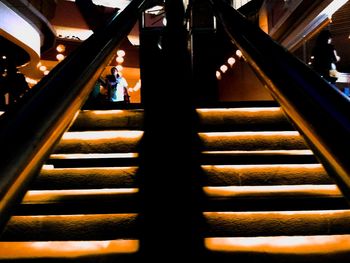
(258, 157)
(254, 118)
(85, 177)
(272, 191)
(300, 245)
(99, 141)
(48, 196)
(250, 141)
(66, 249)
(277, 223)
(265, 174)
(108, 119)
(71, 227)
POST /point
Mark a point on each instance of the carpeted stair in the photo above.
(84, 204)
(268, 199)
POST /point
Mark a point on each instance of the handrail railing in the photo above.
(319, 111)
(29, 131)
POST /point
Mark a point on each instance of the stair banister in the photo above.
(319, 111)
(31, 129)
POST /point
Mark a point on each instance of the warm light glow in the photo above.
(31, 81)
(255, 109)
(238, 53)
(61, 48)
(93, 155)
(231, 61)
(263, 166)
(60, 57)
(272, 190)
(223, 68)
(218, 74)
(320, 244)
(249, 133)
(109, 112)
(273, 214)
(43, 68)
(120, 67)
(98, 135)
(121, 53)
(66, 249)
(46, 72)
(57, 195)
(284, 152)
(119, 59)
(4, 57)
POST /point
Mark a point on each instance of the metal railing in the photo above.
(319, 111)
(29, 131)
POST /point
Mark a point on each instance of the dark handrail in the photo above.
(29, 131)
(320, 112)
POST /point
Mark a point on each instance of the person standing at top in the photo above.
(117, 87)
(325, 56)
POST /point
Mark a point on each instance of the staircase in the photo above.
(267, 199)
(83, 205)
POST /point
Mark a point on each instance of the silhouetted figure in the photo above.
(16, 83)
(325, 56)
(117, 87)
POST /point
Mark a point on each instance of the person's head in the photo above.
(325, 37)
(114, 70)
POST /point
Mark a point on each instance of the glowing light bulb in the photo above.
(238, 53)
(223, 68)
(121, 53)
(61, 48)
(60, 57)
(231, 61)
(218, 74)
(120, 59)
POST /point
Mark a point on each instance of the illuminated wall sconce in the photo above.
(42, 68)
(223, 68)
(218, 74)
(238, 53)
(121, 53)
(60, 57)
(231, 61)
(61, 48)
(120, 59)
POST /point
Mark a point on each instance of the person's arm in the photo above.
(336, 55)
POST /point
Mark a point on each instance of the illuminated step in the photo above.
(310, 248)
(108, 119)
(238, 119)
(85, 178)
(69, 250)
(71, 227)
(273, 197)
(99, 142)
(271, 191)
(258, 157)
(265, 174)
(285, 223)
(252, 141)
(93, 159)
(74, 201)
